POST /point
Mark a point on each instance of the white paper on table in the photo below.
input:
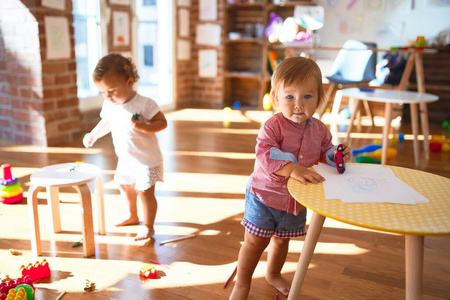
(367, 183)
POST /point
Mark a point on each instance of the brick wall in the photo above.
(38, 97)
(192, 90)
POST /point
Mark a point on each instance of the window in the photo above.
(86, 22)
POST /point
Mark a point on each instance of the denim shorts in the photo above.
(263, 221)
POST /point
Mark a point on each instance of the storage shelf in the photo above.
(246, 69)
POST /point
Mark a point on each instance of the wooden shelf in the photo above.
(246, 70)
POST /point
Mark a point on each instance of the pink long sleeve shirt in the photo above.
(279, 142)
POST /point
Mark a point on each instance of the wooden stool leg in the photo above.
(53, 204)
(87, 222)
(32, 201)
(387, 127)
(100, 205)
(315, 227)
(415, 131)
(414, 266)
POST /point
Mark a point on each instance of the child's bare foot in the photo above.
(278, 282)
(127, 222)
(144, 233)
(239, 293)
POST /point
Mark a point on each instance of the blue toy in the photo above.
(366, 149)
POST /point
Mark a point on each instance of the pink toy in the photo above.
(37, 271)
(10, 189)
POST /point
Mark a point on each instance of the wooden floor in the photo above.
(206, 169)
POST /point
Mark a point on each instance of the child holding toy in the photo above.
(133, 121)
(288, 144)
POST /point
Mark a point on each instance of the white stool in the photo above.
(75, 175)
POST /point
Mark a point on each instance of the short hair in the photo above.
(116, 64)
(295, 70)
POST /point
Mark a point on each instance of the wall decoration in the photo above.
(183, 50)
(119, 2)
(56, 4)
(57, 37)
(207, 63)
(183, 22)
(186, 3)
(208, 34)
(208, 10)
(120, 30)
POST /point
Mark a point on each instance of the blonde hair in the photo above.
(116, 64)
(295, 70)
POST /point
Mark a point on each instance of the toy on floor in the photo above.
(439, 143)
(10, 190)
(367, 160)
(367, 148)
(267, 103)
(36, 271)
(391, 153)
(148, 271)
(12, 286)
(90, 286)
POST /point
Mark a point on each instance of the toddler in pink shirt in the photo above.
(288, 144)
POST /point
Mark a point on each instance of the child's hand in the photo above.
(303, 175)
(89, 140)
(347, 153)
(138, 124)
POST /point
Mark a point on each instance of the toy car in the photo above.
(339, 159)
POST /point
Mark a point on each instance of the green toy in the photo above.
(367, 160)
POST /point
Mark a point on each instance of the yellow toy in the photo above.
(392, 152)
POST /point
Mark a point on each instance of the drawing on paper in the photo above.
(361, 184)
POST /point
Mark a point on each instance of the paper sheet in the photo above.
(367, 183)
(208, 34)
(58, 39)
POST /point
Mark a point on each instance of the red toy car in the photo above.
(339, 159)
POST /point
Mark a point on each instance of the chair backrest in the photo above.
(356, 62)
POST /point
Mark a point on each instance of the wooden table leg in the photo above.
(53, 204)
(100, 205)
(87, 222)
(32, 201)
(415, 131)
(315, 227)
(414, 266)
